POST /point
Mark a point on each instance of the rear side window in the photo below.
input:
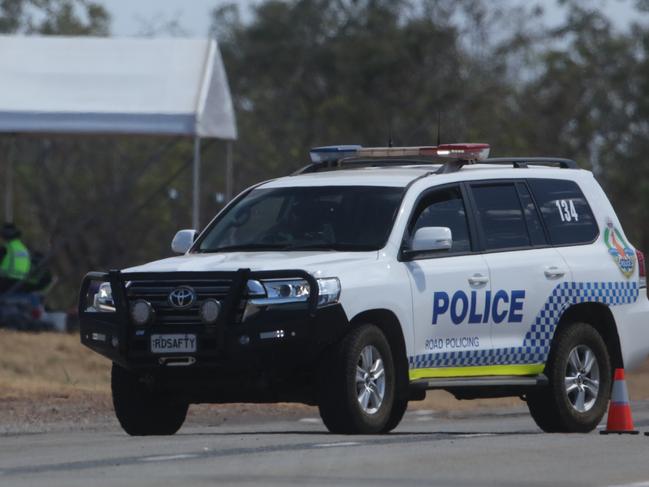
(565, 211)
(500, 216)
(534, 225)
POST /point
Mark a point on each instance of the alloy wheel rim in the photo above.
(370, 379)
(582, 378)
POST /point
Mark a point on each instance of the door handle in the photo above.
(478, 280)
(554, 272)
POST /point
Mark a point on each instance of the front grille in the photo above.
(157, 293)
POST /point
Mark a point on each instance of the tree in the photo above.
(53, 17)
(315, 72)
(308, 73)
(97, 202)
(588, 102)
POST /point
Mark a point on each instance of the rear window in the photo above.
(565, 211)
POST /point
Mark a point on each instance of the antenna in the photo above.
(390, 141)
(439, 128)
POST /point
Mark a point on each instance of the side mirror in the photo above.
(183, 241)
(430, 239)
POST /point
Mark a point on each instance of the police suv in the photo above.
(373, 275)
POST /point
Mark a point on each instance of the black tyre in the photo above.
(579, 374)
(357, 384)
(142, 412)
(396, 415)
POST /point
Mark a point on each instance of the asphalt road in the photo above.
(503, 449)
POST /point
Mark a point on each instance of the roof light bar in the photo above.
(469, 152)
(333, 152)
(391, 151)
(466, 152)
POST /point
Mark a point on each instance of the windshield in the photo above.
(303, 218)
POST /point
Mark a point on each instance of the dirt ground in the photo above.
(48, 381)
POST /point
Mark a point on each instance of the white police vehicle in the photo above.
(373, 275)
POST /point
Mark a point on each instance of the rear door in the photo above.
(449, 288)
(572, 228)
(525, 273)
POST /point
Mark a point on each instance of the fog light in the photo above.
(210, 311)
(141, 312)
(99, 337)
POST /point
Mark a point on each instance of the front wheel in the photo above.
(398, 411)
(357, 384)
(141, 411)
(579, 374)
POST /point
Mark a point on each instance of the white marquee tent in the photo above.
(85, 85)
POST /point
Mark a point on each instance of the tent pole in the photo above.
(9, 183)
(229, 171)
(196, 177)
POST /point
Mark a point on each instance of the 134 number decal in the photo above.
(567, 210)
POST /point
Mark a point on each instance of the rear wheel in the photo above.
(141, 411)
(579, 374)
(357, 384)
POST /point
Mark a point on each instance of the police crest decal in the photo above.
(619, 249)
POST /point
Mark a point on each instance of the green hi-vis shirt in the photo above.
(16, 262)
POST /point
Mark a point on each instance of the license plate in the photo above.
(180, 343)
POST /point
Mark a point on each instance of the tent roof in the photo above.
(114, 85)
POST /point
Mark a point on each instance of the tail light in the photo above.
(642, 271)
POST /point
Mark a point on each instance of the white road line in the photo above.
(308, 420)
(422, 412)
(472, 435)
(633, 484)
(166, 458)
(340, 443)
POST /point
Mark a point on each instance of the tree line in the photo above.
(317, 72)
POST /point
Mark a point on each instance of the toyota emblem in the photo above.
(182, 297)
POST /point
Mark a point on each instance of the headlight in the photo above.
(103, 299)
(284, 291)
(278, 291)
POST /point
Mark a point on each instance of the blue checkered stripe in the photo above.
(537, 341)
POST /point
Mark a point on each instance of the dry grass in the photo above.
(49, 363)
(49, 381)
(51, 377)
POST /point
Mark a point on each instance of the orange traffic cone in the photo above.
(619, 410)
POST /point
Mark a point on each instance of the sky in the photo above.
(142, 17)
(137, 17)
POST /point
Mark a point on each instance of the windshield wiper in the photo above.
(318, 246)
(242, 247)
(330, 246)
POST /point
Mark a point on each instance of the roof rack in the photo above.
(447, 165)
(536, 161)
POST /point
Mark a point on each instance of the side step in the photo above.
(487, 381)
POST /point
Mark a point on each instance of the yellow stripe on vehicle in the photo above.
(477, 371)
